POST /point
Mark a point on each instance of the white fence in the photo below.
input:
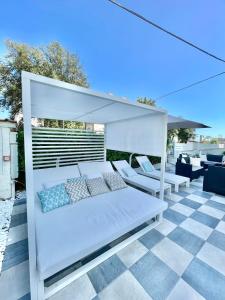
(193, 148)
(62, 147)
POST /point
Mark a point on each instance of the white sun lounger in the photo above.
(170, 178)
(148, 184)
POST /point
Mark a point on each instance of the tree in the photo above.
(184, 134)
(171, 134)
(145, 100)
(52, 61)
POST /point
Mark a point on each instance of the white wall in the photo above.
(8, 169)
(197, 148)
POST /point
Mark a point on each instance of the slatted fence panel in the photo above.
(63, 147)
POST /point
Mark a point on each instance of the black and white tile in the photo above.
(182, 258)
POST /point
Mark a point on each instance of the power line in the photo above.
(166, 31)
(188, 86)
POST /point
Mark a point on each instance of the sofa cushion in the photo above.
(213, 157)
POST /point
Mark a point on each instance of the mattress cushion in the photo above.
(89, 225)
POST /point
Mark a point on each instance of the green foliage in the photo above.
(184, 134)
(63, 124)
(170, 137)
(52, 61)
(21, 158)
(146, 100)
(214, 141)
(112, 155)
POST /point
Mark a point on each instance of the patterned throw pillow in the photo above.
(97, 186)
(114, 181)
(77, 189)
(53, 197)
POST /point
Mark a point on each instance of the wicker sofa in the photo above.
(214, 180)
(186, 169)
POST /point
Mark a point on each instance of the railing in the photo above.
(54, 147)
(193, 148)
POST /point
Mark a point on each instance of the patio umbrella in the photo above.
(176, 122)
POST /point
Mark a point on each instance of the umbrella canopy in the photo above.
(176, 123)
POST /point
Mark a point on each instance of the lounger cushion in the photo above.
(148, 167)
(77, 189)
(114, 181)
(89, 225)
(129, 172)
(52, 183)
(97, 186)
(53, 197)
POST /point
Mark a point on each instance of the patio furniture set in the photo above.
(74, 211)
(212, 168)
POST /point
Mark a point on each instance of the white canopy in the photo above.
(130, 126)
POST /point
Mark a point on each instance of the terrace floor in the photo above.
(183, 258)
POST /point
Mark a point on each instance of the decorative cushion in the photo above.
(148, 167)
(53, 197)
(214, 157)
(114, 181)
(52, 183)
(97, 186)
(129, 172)
(203, 157)
(195, 161)
(77, 189)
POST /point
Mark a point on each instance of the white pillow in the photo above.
(94, 175)
(52, 183)
(183, 160)
(195, 161)
(203, 157)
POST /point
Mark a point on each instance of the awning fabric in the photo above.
(176, 123)
(131, 127)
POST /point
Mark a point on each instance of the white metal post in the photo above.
(26, 95)
(105, 150)
(163, 157)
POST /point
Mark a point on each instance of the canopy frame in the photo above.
(138, 113)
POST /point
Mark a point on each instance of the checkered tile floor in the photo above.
(183, 258)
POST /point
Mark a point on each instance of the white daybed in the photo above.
(72, 232)
(148, 184)
(60, 237)
(170, 178)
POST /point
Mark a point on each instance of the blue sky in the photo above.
(127, 57)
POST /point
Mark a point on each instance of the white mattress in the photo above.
(67, 234)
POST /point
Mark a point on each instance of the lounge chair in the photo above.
(173, 179)
(148, 184)
(70, 233)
